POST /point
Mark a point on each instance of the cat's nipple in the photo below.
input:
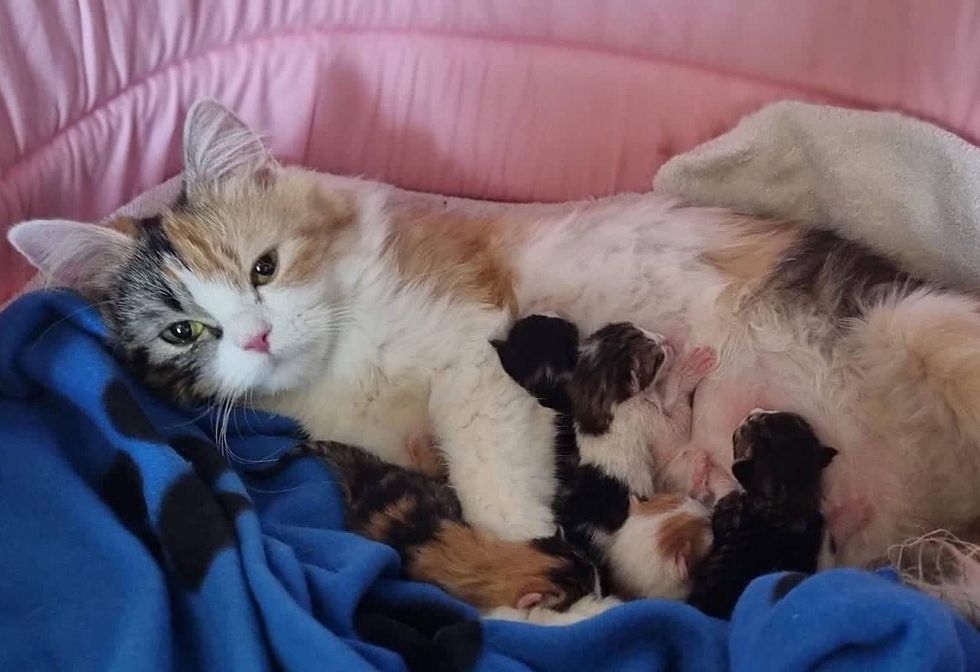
(258, 342)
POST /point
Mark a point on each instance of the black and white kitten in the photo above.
(602, 390)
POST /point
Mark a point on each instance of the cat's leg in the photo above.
(917, 359)
(498, 444)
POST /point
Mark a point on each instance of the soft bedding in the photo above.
(128, 541)
(129, 544)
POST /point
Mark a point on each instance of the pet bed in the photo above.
(129, 544)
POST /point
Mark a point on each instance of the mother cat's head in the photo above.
(233, 289)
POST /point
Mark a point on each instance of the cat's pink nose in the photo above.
(259, 342)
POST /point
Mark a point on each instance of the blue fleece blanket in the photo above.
(128, 543)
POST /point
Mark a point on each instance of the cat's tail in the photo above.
(941, 565)
(918, 358)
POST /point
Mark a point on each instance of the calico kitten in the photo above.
(644, 548)
(774, 525)
(421, 518)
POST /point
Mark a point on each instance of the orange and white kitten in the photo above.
(362, 320)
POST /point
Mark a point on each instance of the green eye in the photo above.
(182, 333)
(264, 268)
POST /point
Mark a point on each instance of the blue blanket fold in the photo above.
(128, 543)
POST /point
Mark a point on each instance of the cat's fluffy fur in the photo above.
(381, 318)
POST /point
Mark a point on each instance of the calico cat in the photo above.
(363, 316)
(421, 518)
(774, 525)
(643, 547)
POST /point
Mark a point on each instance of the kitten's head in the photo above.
(228, 292)
(778, 456)
(540, 353)
(615, 363)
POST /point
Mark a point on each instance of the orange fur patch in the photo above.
(482, 570)
(758, 245)
(425, 455)
(333, 214)
(684, 535)
(124, 225)
(657, 504)
(204, 253)
(399, 511)
(457, 257)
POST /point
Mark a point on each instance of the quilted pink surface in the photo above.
(500, 99)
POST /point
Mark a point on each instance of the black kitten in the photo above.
(775, 524)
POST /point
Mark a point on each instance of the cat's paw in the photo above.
(424, 455)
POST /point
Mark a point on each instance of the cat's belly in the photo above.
(867, 492)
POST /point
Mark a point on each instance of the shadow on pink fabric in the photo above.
(504, 99)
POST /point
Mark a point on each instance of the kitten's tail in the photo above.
(944, 566)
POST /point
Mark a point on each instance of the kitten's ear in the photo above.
(217, 144)
(744, 472)
(71, 254)
(827, 455)
(498, 344)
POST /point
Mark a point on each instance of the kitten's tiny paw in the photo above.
(701, 361)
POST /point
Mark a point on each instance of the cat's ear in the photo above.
(71, 254)
(217, 145)
(827, 455)
(744, 472)
(498, 344)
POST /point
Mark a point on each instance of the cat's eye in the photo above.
(184, 332)
(265, 267)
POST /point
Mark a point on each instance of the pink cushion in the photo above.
(501, 99)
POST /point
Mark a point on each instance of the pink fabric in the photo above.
(502, 99)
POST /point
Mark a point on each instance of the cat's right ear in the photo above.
(71, 254)
(744, 472)
(217, 145)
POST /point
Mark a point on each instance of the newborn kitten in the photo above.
(421, 518)
(775, 524)
(588, 385)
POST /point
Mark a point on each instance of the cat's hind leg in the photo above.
(917, 358)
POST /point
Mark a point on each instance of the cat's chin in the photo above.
(285, 375)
